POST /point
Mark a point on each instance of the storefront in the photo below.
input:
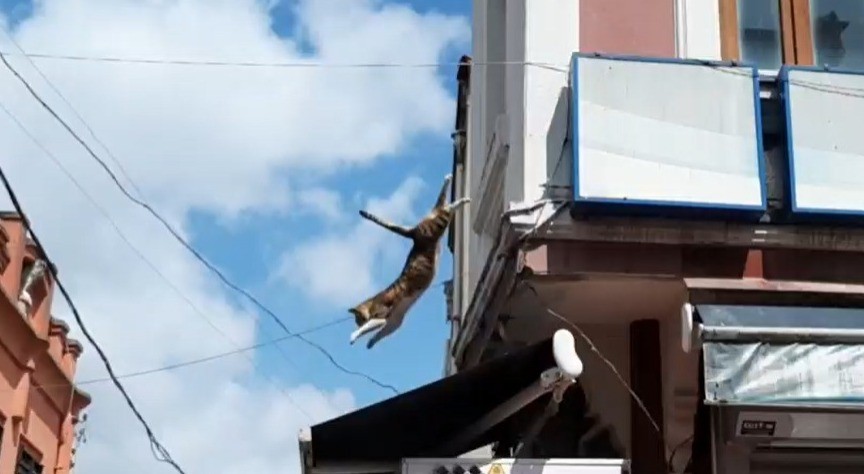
(783, 389)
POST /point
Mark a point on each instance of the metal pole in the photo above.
(544, 384)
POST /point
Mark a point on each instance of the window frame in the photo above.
(40, 288)
(796, 37)
(34, 463)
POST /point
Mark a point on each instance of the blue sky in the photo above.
(264, 170)
(416, 355)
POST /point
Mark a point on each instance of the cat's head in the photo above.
(361, 313)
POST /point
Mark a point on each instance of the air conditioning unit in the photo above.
(514, 466)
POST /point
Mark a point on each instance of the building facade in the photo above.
(39, 403)
(631, 160)
(674, 188)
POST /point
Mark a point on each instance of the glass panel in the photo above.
(838, 33)
(759, 33)
(811, 374)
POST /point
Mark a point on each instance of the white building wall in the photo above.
(551, 37)
(531, 102)
(527, 104)
(698, 29)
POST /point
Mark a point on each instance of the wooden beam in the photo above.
(729, 47)
(648, 452)
(719, 233)
(803, 34)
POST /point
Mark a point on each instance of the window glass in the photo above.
(27, 464)
(759, 33)
(838, 33)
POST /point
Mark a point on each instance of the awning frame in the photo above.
(555, 380)
(551, 380)
(780, 335)
(694, 331)
(748, 345)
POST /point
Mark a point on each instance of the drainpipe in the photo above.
(459, 136)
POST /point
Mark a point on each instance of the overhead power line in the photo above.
(159, 451)
(202, 360)
(220, 355)
(222, 277)
(62, 97)
(129, 179)
(300, 64)
(146, 260)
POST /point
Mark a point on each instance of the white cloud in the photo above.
(220, 140)
(337, 269)
(321, 202)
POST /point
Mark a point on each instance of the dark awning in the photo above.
(783, 355)
(420, 422)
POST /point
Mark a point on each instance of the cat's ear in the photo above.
(358, 316)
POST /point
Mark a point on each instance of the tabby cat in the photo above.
(386, 310)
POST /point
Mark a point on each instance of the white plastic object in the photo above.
(564, 351)
(687, 327)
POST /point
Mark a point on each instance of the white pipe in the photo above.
(564, 351)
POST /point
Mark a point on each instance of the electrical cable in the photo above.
(56, 90)
(373, 65)
(225, 280)
(263, 64)
(159, 451)
(593, 347)
(147, 261)
(200, 360)
(282, 353)
(220, 355)
(819, 87)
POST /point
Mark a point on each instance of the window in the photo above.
(27, 464)
(838, 33)
(769, 33)
(33, 288)
(759, 34)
